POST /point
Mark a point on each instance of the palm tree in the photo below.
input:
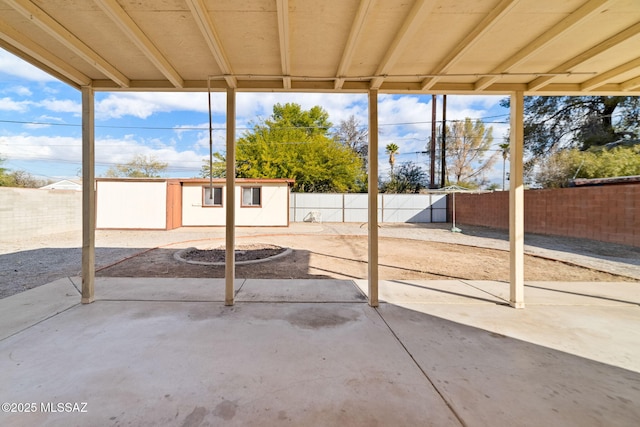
(392, 150)
(505, 153)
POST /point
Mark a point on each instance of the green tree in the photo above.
(409, 178)
(21, 178)
(296, 144)
(218, 166)
(140, 166)
(392, 149)
(291, 115)
(5, 179)
(557, 122)
(469, 151)
(560, 168)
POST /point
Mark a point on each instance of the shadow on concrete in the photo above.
(23, 270)
(20, 271)
(463, 294)
(160, 262)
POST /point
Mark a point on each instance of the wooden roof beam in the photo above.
(139, 38)
(580, 14)
(354, 37)
(469, 41)
(203, 20)
(411, 25)
(622, 36)
(630, 85)
(23, 46)
(285, 48)
(71, 42)
(606, 77)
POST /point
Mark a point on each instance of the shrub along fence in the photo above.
(608, 213)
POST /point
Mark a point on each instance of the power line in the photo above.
(198, 128)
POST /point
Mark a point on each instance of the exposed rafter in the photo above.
(203, 20)
(606, 77)
(412, 23)
(354, 37)
(26, 46)
(283, 33)
(59, 37)
(139, 38)
(470, 40)
(70, 41)
(630, 85)
(625, 35)
(586, 10)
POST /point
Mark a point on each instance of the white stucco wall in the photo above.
(272, 212)
(131, 204)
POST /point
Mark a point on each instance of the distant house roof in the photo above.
(583, 182)
(65, 184)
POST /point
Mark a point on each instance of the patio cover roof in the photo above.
(422, 46)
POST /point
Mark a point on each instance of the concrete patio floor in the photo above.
(314, 353)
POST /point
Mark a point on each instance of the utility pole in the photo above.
(432, 181)
(443, 156)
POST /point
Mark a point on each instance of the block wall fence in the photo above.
(30, 212)
(608, 213)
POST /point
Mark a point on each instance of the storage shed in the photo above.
(165, 204)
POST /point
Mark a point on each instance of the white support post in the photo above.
(88, 196)
(516, 202)
(230, 225)
(372, 273)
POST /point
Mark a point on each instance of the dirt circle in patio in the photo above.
(244, 254)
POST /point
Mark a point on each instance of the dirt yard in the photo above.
(345, 257)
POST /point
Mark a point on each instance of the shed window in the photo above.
(251, 196)
(216, 200)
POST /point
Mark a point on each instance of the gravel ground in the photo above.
(33, 262)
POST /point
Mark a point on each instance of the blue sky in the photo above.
(40, 123)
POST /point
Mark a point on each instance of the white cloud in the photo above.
(46, 148)
(115, 107)
(109, 151)
(14, 66)
(8, 104)
(43, 122)
(144, 104)
(18, 90)
(61, 106)
(113, 151)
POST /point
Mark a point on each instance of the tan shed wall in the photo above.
(136, 205)
(273, 212)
